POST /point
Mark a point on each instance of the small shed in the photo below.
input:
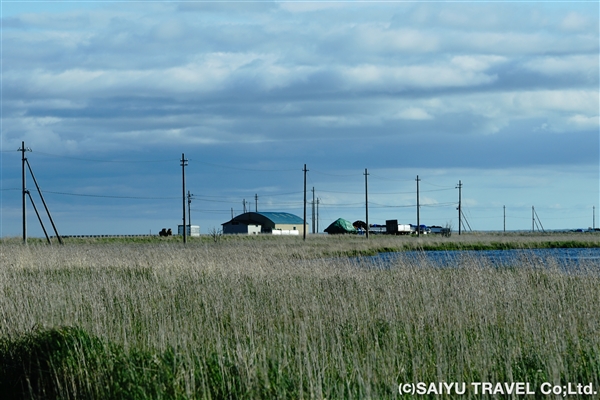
(192, 230)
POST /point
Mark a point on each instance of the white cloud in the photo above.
(585, 122)
(564, 65)
(376, 39)
(536, 103)
(476, 62)
(43, 41)
(574, 21)
(414, 113)
(337, 120)
(516, 43)
(308, 6)
(170, 29)
(384, 77)
(207, 73)
(281, 108)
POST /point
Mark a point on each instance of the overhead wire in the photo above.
(155, 161)
(329, 174)
(241, 169)
(284, 205)
(389, 179)
(433, 184)
(110, 196)
(106, 161)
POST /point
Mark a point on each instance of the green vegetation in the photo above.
(271, 318)
(354, 245)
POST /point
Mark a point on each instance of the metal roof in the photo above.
(282, 217)
(263, 217)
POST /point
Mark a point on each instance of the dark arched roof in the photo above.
(268, 218)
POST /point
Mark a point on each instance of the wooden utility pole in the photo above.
(44, 203)
(317, 215)
(189, 203)
(26, 193)
(256, 202)
(459, 206)
(23, 149)
(366, 202)
(304, 228)
(536, 221)
(313, 210)
(418, 215)
(39, 218)
(183, 165)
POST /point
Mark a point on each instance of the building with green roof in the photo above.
(281, 223)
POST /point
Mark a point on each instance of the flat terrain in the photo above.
(277, 317)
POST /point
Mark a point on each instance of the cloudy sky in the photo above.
(501, 96)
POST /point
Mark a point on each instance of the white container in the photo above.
(193, 230)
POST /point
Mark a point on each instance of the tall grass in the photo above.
(270, 319)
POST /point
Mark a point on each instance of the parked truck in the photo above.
(392, 227)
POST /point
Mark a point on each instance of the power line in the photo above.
(390, 206)
(409, 192)
(155, 161)
(105, 161)
(436, 190)
(241, 169)
(329, 174)
(433, 184)
(225, 200)
(390, 179)
(111, 197)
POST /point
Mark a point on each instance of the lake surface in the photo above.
(563, 258)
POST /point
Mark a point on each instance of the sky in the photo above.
(501, 97)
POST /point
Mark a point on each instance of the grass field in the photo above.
(276, 317)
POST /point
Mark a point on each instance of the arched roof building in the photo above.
(265, 222)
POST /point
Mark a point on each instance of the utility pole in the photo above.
(317, 215)
(366, 202)
(304, 228)
(232, 213)
(256, 202)
(594, 218)
(459, 205)
(418, 215)
(244, 203)
(536, 220)
(23, 149)
(313, 210)
(504, 218)
(183, 165)
(39, 218)
(26, 193)
(44, 203)
(189, 201)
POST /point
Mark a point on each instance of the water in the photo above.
(566, 259)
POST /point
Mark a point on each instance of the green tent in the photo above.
(340, 225)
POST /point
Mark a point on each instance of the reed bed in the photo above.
(282, 319)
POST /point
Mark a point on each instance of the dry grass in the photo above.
(272, 319)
